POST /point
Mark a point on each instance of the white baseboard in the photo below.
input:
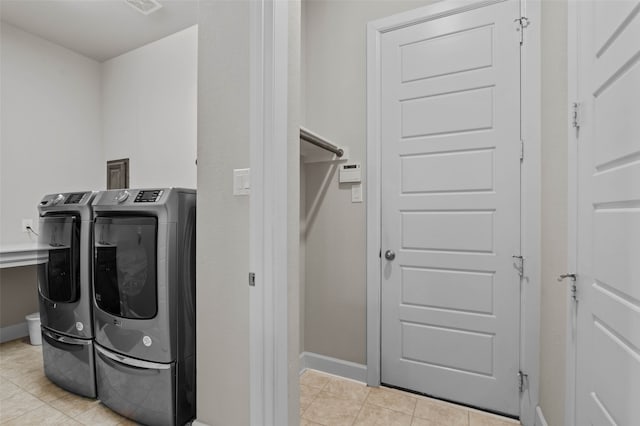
(540, 420)
(13, 332)
(197, 423)
(337, 367)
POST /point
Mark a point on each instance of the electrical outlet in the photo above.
(241, 182)
(27, 223)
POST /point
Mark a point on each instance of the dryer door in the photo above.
(59, 276)
(125, 283)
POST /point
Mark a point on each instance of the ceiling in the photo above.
(98, 29)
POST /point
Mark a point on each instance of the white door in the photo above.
(608, 269)
(450, 172)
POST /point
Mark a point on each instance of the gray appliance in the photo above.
(144, 303)
(64, 291)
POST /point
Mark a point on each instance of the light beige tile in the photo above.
(392, 399)
(314, 379)
(18, 351)
(44, 415)
(441, 412)
(14, 346)
(22, 364)
(44, 389)
(305, 422)
(73, 405)
(18, 404)
(307, 395)
(372, 415)
(99, 415)
(29, 376)
(417, 421)
(478, 418)
(329, 410)
(346, 389)
(7, 388)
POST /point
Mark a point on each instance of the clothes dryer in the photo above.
(144, 303)
(64, 291)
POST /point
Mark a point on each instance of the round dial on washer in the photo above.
(122, 196)
(57, 200)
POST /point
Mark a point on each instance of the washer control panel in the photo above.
(122, 196)
(70, 198)
(148, 196)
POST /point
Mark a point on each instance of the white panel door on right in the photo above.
(608, 270)
(450, 168)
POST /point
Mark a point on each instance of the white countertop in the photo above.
(13, 255)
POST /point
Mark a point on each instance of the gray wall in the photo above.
(223, 220)
(553, 312)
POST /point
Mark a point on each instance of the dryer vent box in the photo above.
(350, 173)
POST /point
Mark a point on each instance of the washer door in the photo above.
(125, 283)
(59, 276)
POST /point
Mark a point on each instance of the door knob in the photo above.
(389, 255)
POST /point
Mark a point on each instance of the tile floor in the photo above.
(28, 398)
(334, 401)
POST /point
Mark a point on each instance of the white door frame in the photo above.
(268, 323)
(572, 211)
(530, 302)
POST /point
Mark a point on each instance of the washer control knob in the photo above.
(122, 196)
(57, 200)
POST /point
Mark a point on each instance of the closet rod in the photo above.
(316, 140)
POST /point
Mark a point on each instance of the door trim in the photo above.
(269, 318)
(530, 295)
(571, 351)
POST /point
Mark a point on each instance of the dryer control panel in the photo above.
(148, 196)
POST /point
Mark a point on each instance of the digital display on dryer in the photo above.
(148, 196)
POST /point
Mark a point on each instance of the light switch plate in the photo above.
(356, 193)
(241, 182)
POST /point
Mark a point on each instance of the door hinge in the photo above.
(521, 151)
(574, 287)
(520, 265)
(521, 24)
(523, 381)
(575, 116)
(252, 279)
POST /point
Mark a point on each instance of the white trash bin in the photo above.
(33, 322)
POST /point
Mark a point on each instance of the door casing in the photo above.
(531, 221)
(572, 212)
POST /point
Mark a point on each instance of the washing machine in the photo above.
(64, 291)
(144, 303)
